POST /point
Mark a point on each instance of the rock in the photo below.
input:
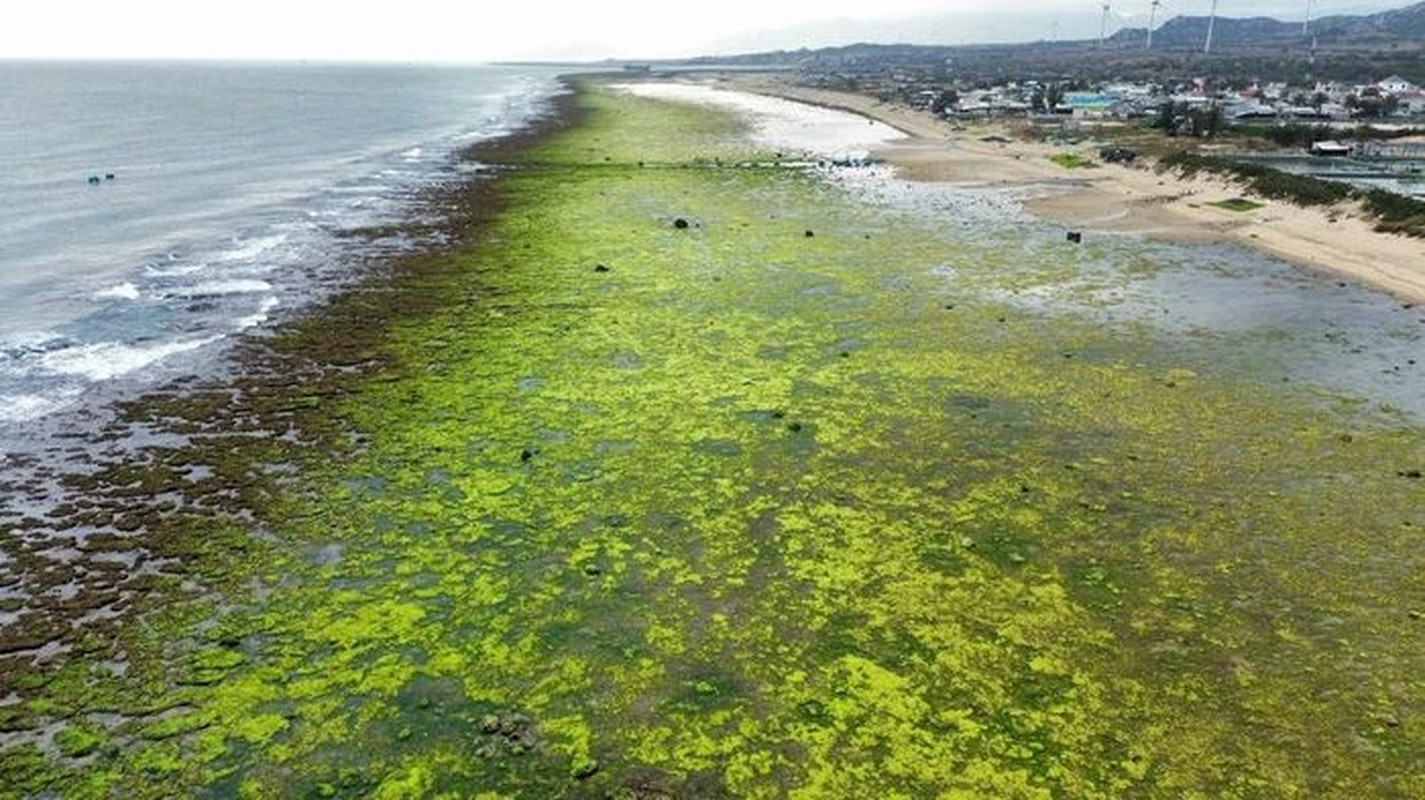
(601, 268)
(489, 724)
(1411, 473)
(680, 223)
(584, 769)
(794, 427)
(1074, 236)
(809, 234)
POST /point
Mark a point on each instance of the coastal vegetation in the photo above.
(682, 475)
(1073, 161)
(1393, 213)
(1239, 204)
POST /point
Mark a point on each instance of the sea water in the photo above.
(151, 212)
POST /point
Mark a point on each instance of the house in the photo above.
(1245, 112)
(1331, 148)
(1087, 105)
(1411, 103)
(1397, 85)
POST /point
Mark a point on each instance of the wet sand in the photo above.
(1113, 200)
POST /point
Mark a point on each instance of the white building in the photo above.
(1411, 103)
(1397, 85)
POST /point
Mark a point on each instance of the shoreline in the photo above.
(1115, 200)
(657, 474)
(73, 484)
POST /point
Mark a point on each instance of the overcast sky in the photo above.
(469, 30)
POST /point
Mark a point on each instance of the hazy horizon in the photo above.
(426, 31)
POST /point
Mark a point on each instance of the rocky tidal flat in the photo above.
(806, 496)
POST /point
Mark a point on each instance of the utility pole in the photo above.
(1211, 21)
(1152, 16)
(1103, 26)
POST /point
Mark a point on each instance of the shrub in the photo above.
(1262, 180)
(1394, 213)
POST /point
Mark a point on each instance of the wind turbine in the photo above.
(1306, 25)
(1211, 20)
(1152, 15)
(1103, 25)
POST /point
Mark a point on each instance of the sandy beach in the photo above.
(1113, 200)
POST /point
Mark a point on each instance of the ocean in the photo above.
(152, 212)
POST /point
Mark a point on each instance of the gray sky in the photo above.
(451, 30)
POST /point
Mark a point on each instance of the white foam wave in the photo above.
(108, 360)
(26, 407)
(254, 248)
(27, 340)
(413, 154)
(234, 286)
(123, 291)
(175, 271)
(253, 320)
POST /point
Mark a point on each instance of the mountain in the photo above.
(1359, 48)
(1399, 25)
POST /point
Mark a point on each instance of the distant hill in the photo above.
(1357, 48)
(1402, 24)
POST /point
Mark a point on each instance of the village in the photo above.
(1369, 131)
(1391, 101)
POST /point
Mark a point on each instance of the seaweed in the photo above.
(751, 514)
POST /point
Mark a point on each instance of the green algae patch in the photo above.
(751, 513)
(1073, 161)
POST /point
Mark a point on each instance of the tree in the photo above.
(1371, 103)
(1053, 96)
(1167, 118)
(946, 99)
(1206, 122)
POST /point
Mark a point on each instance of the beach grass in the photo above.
(1237, 204)
(766, 505)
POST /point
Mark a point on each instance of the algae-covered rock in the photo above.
(584, 769)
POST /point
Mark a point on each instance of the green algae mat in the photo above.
(768, 504)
